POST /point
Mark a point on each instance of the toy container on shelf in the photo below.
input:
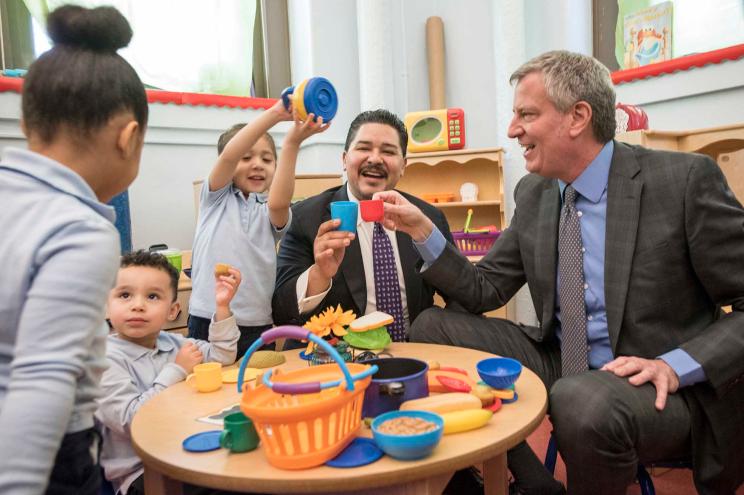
(474, 243)
(308, 416)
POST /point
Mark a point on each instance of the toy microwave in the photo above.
(436, 130)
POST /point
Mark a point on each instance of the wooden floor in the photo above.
(666, 481)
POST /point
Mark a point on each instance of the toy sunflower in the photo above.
(330, 321)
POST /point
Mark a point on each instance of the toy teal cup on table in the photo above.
(347, 212)
(315, 95)
(239, 434)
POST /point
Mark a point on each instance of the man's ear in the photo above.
(343, 159)
(581, 118)
(405, 164)
(174, 310)
(129, 140)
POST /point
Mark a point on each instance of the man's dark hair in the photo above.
(152, 260)
(226, 136)
(82, 82)
(379, 116)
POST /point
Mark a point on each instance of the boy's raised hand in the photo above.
(189, 356)
(225, 288)
(302, 130)
(280, 111)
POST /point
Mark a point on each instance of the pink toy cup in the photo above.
(372, 210)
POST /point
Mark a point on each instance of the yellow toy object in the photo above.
(266, 359)
(315, 95)
(443, 403)
(470, 419)
(436, 130)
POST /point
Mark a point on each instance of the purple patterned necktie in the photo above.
(571, 290)
(387, 288)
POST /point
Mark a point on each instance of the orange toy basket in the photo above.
(308, 416)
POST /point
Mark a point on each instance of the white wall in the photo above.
(484, 42)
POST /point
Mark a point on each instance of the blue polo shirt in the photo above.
(236, 230)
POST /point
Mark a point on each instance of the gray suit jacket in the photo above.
(674, 253)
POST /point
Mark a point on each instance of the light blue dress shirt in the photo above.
(236, 230)
(59, 253)
(591, 204)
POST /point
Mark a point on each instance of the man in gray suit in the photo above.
(640, 362)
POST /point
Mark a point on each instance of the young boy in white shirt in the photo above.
(143, 360)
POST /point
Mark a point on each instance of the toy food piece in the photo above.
(485, 394)
(433, 365)
(435, 386)
(266, 359)
(495, 406)
(453, 384)
(443, 403)
(371, 321)
(470, 419)
(369, 332)
(221, 269)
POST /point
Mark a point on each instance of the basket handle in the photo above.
(293, 332)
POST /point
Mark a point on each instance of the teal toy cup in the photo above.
(239, 434)
(347, 212)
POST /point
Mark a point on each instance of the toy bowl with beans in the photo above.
(407, 435)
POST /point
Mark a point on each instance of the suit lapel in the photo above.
(623, 209)
(546, 252)
(352, 266)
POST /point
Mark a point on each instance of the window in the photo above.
(220, 47)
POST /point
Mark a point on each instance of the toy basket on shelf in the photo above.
(308, 416)
(474, 244)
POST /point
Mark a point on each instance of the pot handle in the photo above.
(393, 388)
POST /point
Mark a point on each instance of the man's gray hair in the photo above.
(573, 77)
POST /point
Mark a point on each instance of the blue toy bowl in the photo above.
(499, 372)
(408, 447)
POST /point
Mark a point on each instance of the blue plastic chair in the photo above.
(644, 479)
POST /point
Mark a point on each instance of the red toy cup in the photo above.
(372, 210)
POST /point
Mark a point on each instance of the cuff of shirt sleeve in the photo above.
(222, 330)
(305, 304)
(170, 375)
(432, 247)
(688, 370)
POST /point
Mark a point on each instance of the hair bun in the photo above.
(99, 29)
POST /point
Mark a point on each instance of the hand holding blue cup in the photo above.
(347, 212)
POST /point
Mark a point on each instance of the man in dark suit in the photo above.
(319, 266)
(628, 254)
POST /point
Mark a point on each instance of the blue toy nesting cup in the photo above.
(315, 95)
(346, 211)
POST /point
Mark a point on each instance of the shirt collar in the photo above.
(593, 180)
(257, 197)
(136, 351)
(55, 175)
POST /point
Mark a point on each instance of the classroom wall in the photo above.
(484, 42)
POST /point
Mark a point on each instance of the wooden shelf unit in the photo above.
(446, 171)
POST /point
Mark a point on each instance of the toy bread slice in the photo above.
(375, 319)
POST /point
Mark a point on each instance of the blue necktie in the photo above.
(387, 288)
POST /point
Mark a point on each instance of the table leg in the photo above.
(495, 481)
(157, 483)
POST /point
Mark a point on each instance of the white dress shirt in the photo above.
(364, 235)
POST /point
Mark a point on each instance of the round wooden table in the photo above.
(168, 418)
